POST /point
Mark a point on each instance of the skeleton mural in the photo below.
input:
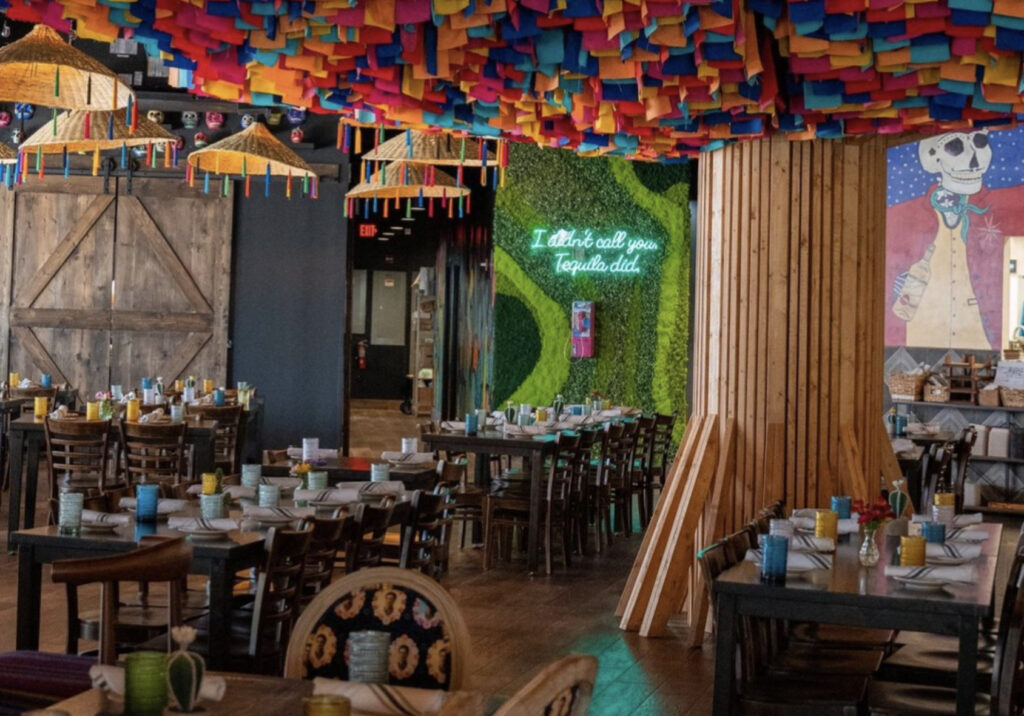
(945, 244)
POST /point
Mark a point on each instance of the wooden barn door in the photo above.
(98, 288)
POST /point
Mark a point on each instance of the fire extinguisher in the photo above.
(361, 354)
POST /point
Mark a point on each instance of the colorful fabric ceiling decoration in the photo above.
(639, 78)
(392, 182)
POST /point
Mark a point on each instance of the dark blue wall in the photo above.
(288, 318)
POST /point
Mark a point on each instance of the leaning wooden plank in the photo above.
(671, 578)
(714, 526)
(852, 479)
(645, 564)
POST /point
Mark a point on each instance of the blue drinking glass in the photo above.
(45, 380)
(774, 553)
(218, 397)
(934, 532)
(841, 505)
(471, 423)
(147, 383)
(146, 497)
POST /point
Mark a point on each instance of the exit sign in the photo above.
(367, 231)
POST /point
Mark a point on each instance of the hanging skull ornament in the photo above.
(297, 135)
(155, 116)
(296, 115)
(248, 120)
(214, 120)
(16, 135)
(274, 118)
(190, 119)
(23, 110)
(200, 140)
(962, 158)
(5, 119)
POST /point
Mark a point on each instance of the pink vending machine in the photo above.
(582, 329)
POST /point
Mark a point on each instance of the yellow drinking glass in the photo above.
(826, 524)
(606, 405)
(40, 406)
(541, 414)
(209, 483)
(132, 411)
(326, 706)
(912, 551)
(944, 499)
(207, 386)
(179, 385)
(92, 410)
(13, 379)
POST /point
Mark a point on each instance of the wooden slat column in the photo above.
(789, 313)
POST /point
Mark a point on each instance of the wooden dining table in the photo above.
(26, 439)
(248, 694)
(357, 469)
(484, 444)
(216, 559)
(858, 596)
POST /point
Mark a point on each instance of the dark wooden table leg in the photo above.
(725, 654)
(482, 476)
(30, 576)
(533, 533)
(220, 615)
(204, 454)
(32, 445)
(967, 670)
(17, 444)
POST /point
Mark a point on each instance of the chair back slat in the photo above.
(77, 454)
(153, 453)
(229, 425)
(327, 538)
(277, 591)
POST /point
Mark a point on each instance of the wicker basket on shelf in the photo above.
(906, 386)
(988, 398)
(936, 393)
(1011, 397)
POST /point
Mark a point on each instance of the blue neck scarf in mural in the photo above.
(962, 209)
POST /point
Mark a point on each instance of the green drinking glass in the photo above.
(145, 683)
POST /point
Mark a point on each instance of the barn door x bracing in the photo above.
(102, 288)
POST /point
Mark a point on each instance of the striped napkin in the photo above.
(285, 483)
(959, 573)
(410, 458)
(453, 426)
(963, 534)
(800, 560)
(235, 492)
(154, 416)
(383, 699)
(384, 487)
(295, 453)
(340, 497)
(294, 513)
(963, 550)
(808, 543)
(201, 523)
(111, 679)
(164, 506)
(964, 520)
(114, 518)
(804, 520)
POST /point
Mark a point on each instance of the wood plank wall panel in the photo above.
(788, 310)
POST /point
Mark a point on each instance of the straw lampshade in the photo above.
(41, 68)
(70, 133)
(250, 151)
(438, 148)
(7, 154)
(405, 180)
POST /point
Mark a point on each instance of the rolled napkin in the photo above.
(60, 413)
(798, 560)
(200, 523)
(964, 520)
(384, 487)
(959, 550)
(963, 534)
(114, 518)
(25, 383)
(902, 445)
(154, 416)
(285, 483)
(295, 513)
(412, 458)
(808, 543)
(604, 414)
(164, 506)
(111, 679)
(339, 497)
(381, 698)
(453, 426)
(319, 454)
(235, 492)
(959, 573)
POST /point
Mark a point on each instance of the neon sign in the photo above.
(582, 251)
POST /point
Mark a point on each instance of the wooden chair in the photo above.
(166, 561)
(562, 687)
(639, 473)
(468, 499)
(228, 446)
(365, 540)
(614, 481)
(153, 453)
(77, 454)
(430, 644)
(328, 536)
(425, 543)
(582, 462)
(961, 458)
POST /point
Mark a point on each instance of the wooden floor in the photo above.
(517, 623)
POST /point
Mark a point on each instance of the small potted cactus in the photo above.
(185, 671)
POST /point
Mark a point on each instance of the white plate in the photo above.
(947, 560)
(919, 584)
(198, 533)
(792, 569)
(100, 526)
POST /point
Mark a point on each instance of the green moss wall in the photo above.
(642, 322)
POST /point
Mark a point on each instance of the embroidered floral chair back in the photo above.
(429, 640)
(563, 688)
